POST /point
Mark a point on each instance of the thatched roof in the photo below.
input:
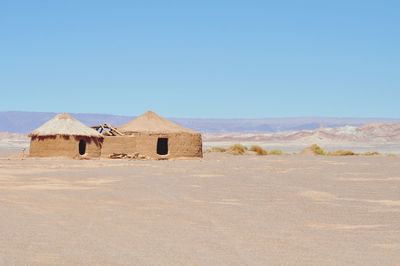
(64, 125)
(153, 123)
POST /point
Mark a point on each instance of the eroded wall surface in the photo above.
(179, 145)
(63, 146)
(118, 144)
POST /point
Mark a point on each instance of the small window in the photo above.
(82, 147)
(162, 146)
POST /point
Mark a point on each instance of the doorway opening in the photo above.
(82, 147)
(162, 146)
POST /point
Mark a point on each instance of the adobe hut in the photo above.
(155, 137)
(64, 136)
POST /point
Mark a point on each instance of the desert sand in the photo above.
(220, 210)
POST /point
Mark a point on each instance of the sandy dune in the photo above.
(222, 210)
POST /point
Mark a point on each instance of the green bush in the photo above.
(217, 149)
(342, 153)
(237, 149)
(372, 153)
(317, 150)
(276, 152)
(258, 150)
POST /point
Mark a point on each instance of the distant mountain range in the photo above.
(24, 122)
(370, 133)
(288, 133)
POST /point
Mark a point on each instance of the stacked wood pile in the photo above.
(133, 156)
(107, 130)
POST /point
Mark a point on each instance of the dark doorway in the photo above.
(82, 147)
(162, 146)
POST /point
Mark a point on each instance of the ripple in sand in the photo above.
(321, 196)
(54, 184)
(207, 175)
(346, 226)
(318, 196)
(363, 179)
(392, 246)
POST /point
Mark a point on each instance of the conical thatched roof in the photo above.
(153, 123)
(64, 125)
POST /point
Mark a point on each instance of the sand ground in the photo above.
(221, 210)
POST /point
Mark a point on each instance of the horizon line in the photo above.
(213, 118)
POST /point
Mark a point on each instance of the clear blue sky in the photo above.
(202, 58)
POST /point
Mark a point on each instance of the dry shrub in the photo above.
(317, 150)
(237, 149)
(217, 149)
(342, 153)
(258, 150)
(372, 153)
(276, 152)
(391, 155)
